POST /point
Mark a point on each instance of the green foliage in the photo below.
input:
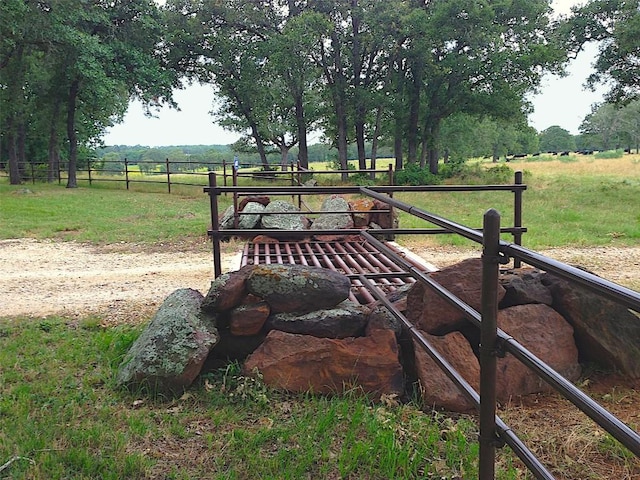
(412, 174)
(609, 154)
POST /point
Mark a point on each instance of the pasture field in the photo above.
(63, 418)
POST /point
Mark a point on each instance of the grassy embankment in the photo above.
(62, 417)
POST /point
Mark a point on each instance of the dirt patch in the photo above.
(127, 282)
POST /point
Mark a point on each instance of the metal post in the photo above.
(89, 170)
(236, 219)
(488, 340)
(126, 172)
(517, 216)
(168, 174)
(215, 226)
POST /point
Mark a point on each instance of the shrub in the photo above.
(413, 174)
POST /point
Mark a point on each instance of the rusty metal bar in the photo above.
(488, 339)
(215, 226)
(356, 283)
(510, 438)
(517, 216)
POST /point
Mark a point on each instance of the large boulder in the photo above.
(437, 390)
(345, 320)
(304, 363)
(546, 334)
(251, 215)
(248, 319)
(298, 288)
(170, 352)
(281, 215)
(333, 220)
(606, 332)
(434, 315)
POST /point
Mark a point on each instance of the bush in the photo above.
(413, 174)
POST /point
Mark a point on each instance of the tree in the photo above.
(556, 139)
(616, 25)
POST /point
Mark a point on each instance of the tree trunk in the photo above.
(21, 149)
(397, 142)
(284, 157)
(374, 142)
(260, 146)
(433, 160)
(53, 161)
(414, 117)
(301, 122)
(72, 181)
(12, 153)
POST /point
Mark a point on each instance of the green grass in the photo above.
(63, 417)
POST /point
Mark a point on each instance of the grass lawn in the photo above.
(63, 418)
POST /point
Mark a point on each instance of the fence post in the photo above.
(236, 219)
(168, 166)
(488, 340)
(89, 169)
(33, 174)
(517, 216)
(215, 226)
(126, 172)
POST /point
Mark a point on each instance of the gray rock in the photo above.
(226, 220)
(170, 352)
(524, 286)
(334, 221)
(346, 320)
(298, 288)
(275, 216)
(254, 211)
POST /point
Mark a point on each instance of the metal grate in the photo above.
(350, 258)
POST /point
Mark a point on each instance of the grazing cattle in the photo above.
(520, 155)
(564, 154)
(537, 154)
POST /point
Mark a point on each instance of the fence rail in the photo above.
(494, 342)
(172, 172)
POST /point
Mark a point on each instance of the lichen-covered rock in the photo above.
(226, 219)
(251, 215)
(298, 288)
(334, 221)
(277, 215)
(346, 320)
(170, 352)
(523, 286)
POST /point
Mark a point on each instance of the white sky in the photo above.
(562, 101)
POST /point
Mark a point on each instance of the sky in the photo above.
(562, 101)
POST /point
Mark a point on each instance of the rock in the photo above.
(261, 199)
(304, 363)
(346, 320)
(434, 315)
(248, 319)
(275, 216)
(437, 390)
(170, 352)
(227, 291)
(333, 221)
(381, 319)
(298, 288)
(547, 335)
(253, 210)
(226, 219)
(361, 211)
(264, 239)
(606, 333)
(384, 219)
(523, 286)
(232, 348)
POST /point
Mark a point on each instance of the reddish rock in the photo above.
(264, 239)
(436, 388)
(431, 313)
(248, 319)
(361, 208)
(384, 219)
(336, 238)
(227, 291)
(261, 199)
(606, 333)
(303, 363)
(546, 334)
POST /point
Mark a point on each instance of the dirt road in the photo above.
(125, 282)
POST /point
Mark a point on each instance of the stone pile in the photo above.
(260, 212)
(294, 325)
